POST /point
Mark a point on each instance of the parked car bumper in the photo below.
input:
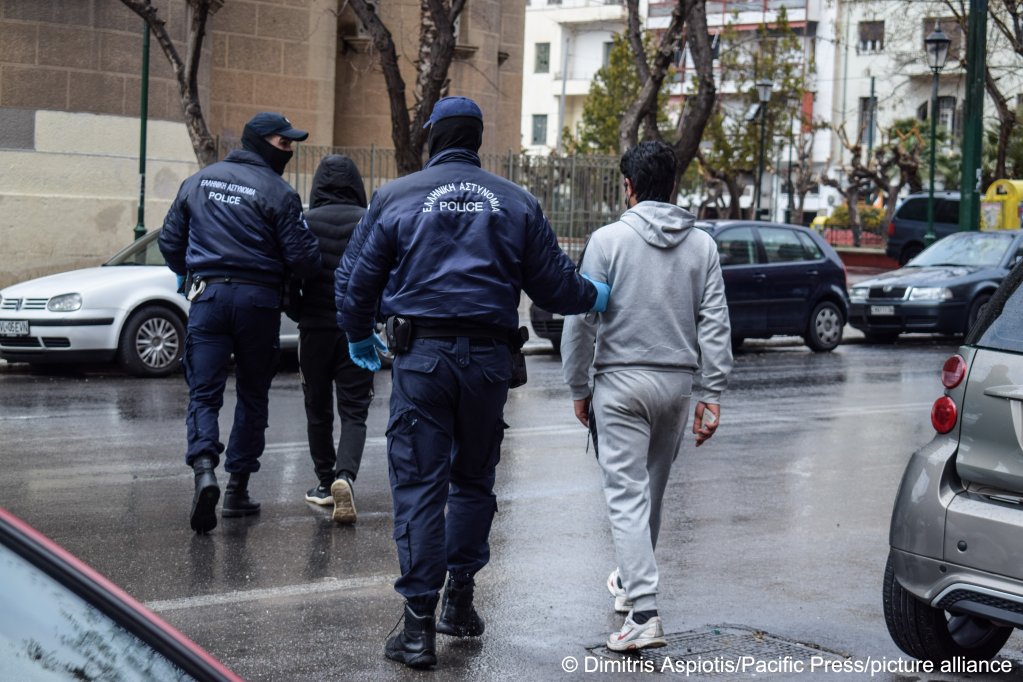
(948, 317)
(948, 586)
(91, 336)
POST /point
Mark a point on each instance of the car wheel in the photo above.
(910, 252)
(932, 634)
(824, 330)
(886, 338)
(975, 309)
(152, 342)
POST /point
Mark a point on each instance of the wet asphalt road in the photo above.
(778, 524)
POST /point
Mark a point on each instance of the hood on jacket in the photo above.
(659, 224)
(337, 181)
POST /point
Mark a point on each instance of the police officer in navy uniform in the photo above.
(237, 229)
(446, 252)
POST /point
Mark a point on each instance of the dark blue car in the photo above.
(942, 290)
(779, 280)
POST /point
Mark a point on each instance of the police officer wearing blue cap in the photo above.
(446, 253)
(237, 229)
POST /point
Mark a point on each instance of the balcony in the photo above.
(583, 12)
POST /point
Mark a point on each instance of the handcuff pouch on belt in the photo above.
(196, 285)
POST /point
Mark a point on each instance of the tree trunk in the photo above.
(436, 52)
(698, 108)
(652, 75)
(1006, 119)
(185, 72)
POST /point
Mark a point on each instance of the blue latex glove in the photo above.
(181, 285)
(603, 294)
(364, 353)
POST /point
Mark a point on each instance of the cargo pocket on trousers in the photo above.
(403, 542)
(401, 445)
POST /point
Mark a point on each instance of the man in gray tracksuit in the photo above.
(650, 354)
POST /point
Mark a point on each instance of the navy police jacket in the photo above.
(453, 241)
(238, 217)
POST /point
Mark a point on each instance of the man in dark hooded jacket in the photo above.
(337, 201)
(237, 228)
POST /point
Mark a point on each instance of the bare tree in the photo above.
(185, 70)
(436, 52)
(690, 16)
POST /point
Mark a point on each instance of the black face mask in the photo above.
(275, 158)
(463, 132)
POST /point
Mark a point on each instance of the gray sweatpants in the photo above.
(641, 417)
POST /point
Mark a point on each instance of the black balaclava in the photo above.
(463, 132)
(276, 158)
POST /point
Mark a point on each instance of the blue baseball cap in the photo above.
(449, 107)
(269, 123)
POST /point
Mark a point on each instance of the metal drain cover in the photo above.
(724, 652)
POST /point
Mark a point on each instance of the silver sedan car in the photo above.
(126, 310)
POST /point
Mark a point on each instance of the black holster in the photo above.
(516, 341)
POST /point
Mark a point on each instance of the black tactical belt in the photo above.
(238, 280)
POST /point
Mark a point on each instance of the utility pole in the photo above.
(973, 119)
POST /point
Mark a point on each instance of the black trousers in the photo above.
(325, 365)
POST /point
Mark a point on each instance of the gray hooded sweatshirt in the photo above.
(667, 310)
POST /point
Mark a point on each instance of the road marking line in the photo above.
(239, 596)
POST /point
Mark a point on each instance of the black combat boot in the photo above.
(458, 616)
(236, 498)
(203, 517)
(415, 645)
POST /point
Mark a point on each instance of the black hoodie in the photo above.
(337, 201)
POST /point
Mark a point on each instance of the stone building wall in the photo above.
(70, 86)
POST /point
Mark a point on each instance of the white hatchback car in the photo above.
(126, 310)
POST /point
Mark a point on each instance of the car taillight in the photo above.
(953, 371)
(944, 414)
(891, 229)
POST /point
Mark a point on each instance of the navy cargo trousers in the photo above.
(443, 444)
(243, 320)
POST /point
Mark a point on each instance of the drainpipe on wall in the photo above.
(140, 226)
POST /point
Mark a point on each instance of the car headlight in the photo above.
(65, 303)
(930, 294)
(858, 294)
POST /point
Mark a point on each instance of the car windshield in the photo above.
(967, 249)
(144, 251)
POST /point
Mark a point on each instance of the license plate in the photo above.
(13, 327)
(882, 310)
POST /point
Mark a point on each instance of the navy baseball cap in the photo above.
(449, 107)
(269, 123)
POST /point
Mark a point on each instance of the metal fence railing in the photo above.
(578, 193)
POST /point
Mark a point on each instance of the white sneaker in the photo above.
(344, 501)
(622, 603)
(632, 636)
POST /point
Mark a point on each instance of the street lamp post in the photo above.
(764, 87)
(936, 47)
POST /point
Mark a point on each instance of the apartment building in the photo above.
(566, 42)
(864, 63)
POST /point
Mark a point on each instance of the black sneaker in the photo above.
(344, 500)
(319, 495)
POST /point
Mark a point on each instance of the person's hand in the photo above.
(582, 410)
(181, 285)
(364, 352)
(603, 294)
(705, 421)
